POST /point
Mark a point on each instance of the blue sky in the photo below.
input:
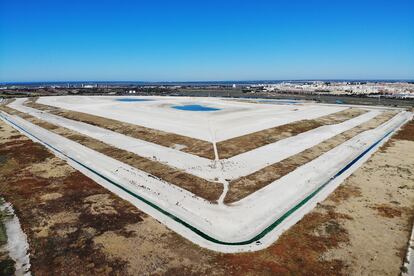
(109, 40)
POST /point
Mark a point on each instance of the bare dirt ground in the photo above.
(76, 227)
(187, 144)
(245, 143)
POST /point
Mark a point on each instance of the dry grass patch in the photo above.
(344, 192)
(100, 204)
(49, 168)
(298, 251)
(50, 196)
(387, 211)
(407, 132)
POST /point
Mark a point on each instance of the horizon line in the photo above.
(207, 81)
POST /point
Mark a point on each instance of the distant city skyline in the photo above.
(184, 41)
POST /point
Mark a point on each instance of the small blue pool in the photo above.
(133, 100)
(195, 107)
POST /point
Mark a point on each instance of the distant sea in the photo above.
(187, 83)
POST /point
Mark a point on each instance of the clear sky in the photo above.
(153, 40)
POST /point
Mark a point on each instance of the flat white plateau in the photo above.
(234, 118)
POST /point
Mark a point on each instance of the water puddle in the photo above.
(133, 100)
(195, 107)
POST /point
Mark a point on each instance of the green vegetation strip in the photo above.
(194, 229)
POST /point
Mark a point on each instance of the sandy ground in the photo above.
(75, 226)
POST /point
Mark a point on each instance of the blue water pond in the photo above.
(133, 100)
(195, 107)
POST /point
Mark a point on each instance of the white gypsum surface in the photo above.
(16, 245)
(234, 223)
(231, 168)
(235, 119)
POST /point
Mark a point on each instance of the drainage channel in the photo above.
(200, 233)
